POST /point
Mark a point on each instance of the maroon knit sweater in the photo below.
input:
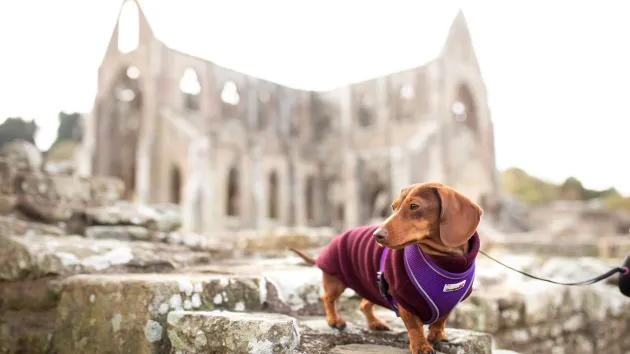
(353, 257)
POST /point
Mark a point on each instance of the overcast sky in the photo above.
(557, 71)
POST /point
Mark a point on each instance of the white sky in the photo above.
(557, 71)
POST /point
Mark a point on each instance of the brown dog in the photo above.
(431, 236)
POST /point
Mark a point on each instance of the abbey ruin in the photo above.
(238, 152)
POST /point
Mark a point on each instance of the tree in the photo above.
(69, 127)
(16, 128)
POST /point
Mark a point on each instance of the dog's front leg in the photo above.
(437, 330)
(418, 343)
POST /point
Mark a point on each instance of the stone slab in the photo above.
(127, 313)
(196, 332)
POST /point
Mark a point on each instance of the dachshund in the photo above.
(420, 263)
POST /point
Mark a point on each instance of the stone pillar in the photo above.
(209, 187)
(382, 101)
(196, 176)
(345, 111)
(300, 194)
(146, 139)
(400, 171)
(246, 207)
(88, 145)
(259, 188)
(351, 190)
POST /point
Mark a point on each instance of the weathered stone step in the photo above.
(195, 332)
(129, 310)
(198, 332)
(318, 337)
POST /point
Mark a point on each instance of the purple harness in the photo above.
(441, 290)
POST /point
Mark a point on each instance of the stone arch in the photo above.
(233, 193)
(129, 27)
(309, 198)
(273, 196)
(175, 185)
(465, 108)
(190, 87)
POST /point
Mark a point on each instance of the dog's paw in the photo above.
(436, 336)
(426, 349)
(379, 326)
(338, 323)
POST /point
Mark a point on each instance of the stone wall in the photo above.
(531, 316)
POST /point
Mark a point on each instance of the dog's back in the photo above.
(353, 257)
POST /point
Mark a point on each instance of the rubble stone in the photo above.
(196, 332)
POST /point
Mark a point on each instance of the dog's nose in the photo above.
(380, 235)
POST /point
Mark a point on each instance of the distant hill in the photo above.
(532, 190)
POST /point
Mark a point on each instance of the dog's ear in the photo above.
(459, 218)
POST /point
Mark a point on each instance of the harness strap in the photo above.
(383, 287)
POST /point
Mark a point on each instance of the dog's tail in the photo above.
(307, 259)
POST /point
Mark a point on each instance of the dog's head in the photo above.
(432, 214)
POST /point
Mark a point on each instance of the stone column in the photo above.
(88, 145)
(259, 188)
(146, 139)
(300, 194)
(382, 101)
(196, 176)
(209, 187)
(400, 169)
(351, 190)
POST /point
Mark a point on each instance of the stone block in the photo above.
(197, 332)
(127, 313)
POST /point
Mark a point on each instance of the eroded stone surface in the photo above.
(35, 256)
(256, 333)
(129, 311)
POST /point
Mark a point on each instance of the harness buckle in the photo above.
(382, 285)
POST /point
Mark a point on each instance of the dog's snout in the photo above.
(380, 235)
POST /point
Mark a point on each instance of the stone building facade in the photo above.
(239, 152)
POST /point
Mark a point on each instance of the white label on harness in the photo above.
(454, 287)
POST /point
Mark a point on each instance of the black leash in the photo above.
(623, 270)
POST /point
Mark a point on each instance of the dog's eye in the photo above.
(393, 207)
(413, 206)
